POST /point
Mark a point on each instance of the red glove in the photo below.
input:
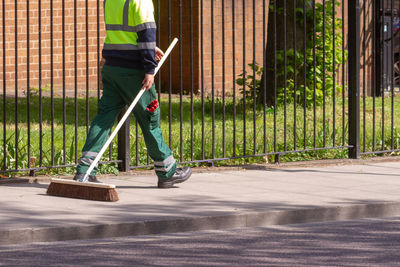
(152, 106)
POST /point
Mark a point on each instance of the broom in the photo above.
(98, 191)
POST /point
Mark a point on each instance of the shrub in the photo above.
(320, 68)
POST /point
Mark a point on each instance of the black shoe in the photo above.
(181, 175)
(92, 178)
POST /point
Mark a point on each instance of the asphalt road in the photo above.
(369, 242)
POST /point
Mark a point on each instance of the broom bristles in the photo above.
(89, 191)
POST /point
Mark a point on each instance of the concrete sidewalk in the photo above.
(213, 200)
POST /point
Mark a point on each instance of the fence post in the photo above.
(354, 77)
(124, 151)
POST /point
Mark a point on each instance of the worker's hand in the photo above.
(159, 54)
(148, 81)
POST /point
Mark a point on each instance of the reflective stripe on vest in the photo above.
(124, 18)
(150, 45)
(127, 28)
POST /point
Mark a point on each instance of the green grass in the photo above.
(223, 146)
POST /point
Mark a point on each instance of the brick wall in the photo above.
(210, 53)
(86, 64)
(169, 21)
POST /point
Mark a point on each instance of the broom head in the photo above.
(88, 190)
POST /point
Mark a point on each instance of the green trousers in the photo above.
(120, 86)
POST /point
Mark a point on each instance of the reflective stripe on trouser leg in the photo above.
(84, 164)
(166, 168)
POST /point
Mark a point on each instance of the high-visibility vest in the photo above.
(124, 19)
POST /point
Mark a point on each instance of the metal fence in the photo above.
(379, 77)
(251, 80)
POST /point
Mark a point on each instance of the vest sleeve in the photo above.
(147, 46)
(144, 18)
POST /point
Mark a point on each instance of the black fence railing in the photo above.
(250, 81)
(380, 48)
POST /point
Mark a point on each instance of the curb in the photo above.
(186, 224)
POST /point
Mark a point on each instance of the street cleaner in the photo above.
(131, 57)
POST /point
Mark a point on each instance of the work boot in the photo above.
(92, 178)
(181, 175)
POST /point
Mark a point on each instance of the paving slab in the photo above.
(208, 200)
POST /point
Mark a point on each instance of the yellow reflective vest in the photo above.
(131, 34)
